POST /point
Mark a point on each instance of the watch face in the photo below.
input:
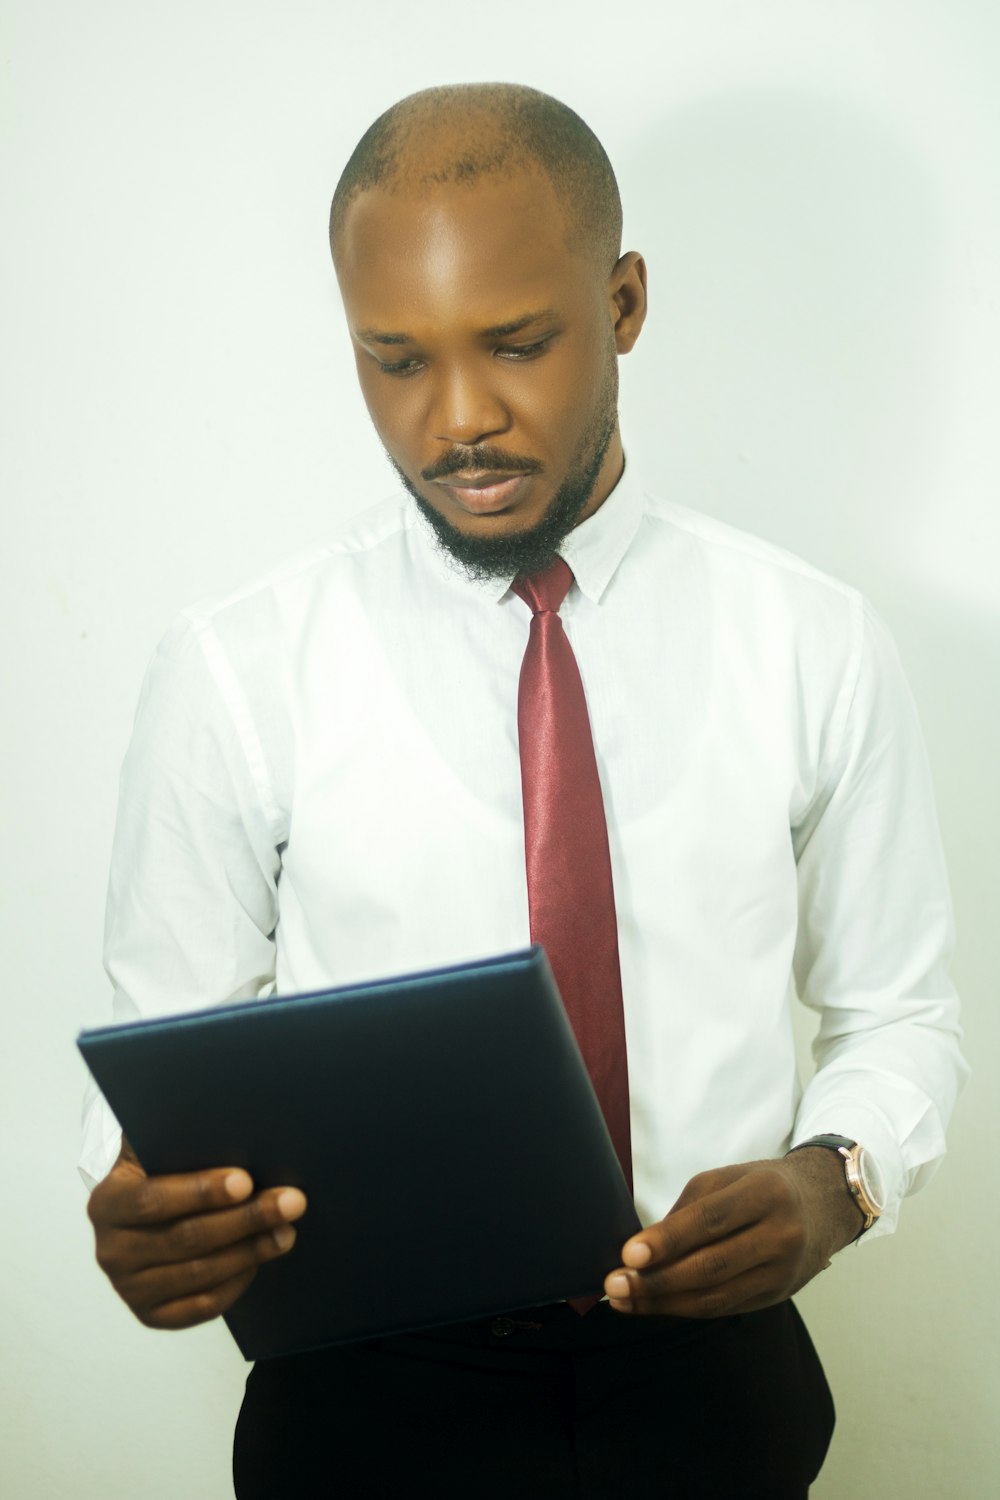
(871, 1180)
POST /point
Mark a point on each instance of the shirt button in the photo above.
(502, 1328)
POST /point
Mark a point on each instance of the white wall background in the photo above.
(814, 183)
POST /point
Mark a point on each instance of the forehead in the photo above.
(458, 254)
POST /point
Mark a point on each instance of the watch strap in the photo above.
(832, 1143)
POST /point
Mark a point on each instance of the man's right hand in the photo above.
(180, 1250)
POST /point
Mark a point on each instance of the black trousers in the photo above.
(543, 1405)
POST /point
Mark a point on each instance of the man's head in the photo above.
(476, 235)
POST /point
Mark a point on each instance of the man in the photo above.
(324, 784)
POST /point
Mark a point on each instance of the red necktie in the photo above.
(571, 899)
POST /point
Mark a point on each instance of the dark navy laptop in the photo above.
(442, 1125)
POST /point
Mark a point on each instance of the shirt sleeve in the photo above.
(192, 902)
(874, 937)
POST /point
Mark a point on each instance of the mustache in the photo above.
(480, 460)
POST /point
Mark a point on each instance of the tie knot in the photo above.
(545, 591)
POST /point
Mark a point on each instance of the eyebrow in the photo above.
(497, 331)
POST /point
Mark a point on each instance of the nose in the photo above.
(465, 408)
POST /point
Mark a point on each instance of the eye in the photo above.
(517, 352)
(399, 367)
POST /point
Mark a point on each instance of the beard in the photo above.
(523, 553)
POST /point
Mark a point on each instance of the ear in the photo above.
(627, 297)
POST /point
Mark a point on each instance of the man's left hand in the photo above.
(739, 1238)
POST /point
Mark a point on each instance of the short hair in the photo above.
(459, 133)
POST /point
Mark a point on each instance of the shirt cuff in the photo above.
(102, 1138)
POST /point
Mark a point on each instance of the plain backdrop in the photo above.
(814, 184)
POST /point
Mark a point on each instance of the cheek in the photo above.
(568, 405)
(392, 413)
(556, 397)
(601, 361)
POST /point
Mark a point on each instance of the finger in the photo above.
(761, 1286)
(148, 1290)
(703, 1221)
(127, 1197)
(188, 1312)
(704, 1270)
(198, 1235)
(709, 1266)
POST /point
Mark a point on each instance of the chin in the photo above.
(497, 523)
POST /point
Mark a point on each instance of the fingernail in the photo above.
(291, 1203)
(283, 1237)
(238, 1184)
(638, 1254)
(617, 1286)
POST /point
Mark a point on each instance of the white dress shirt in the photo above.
(324, 786)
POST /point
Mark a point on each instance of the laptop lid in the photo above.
(442, 1125)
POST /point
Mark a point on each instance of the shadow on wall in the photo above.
(790, 377)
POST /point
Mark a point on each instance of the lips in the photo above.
(482, 494)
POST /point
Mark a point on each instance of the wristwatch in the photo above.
(861, 1172)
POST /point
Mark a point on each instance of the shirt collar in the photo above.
(593, 549)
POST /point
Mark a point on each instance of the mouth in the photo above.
(484, 494)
